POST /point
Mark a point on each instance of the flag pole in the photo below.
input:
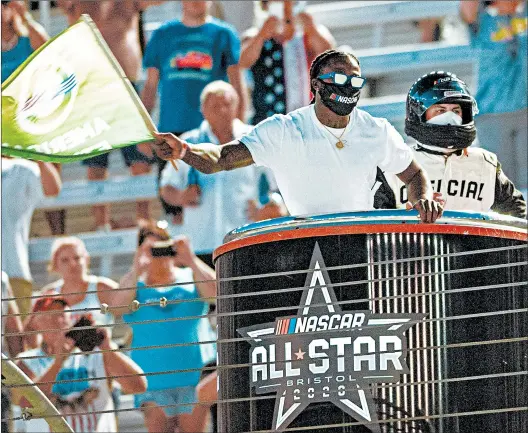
(115, 64)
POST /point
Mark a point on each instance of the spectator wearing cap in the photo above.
(69, 380)
(498, 32)
(169, 271)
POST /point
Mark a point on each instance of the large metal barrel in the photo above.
(374, 322)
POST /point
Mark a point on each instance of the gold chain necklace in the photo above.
(340, 143)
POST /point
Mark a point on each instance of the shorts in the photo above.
(130, 154)
(163, 397)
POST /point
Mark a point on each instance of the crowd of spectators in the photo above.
(197, 68)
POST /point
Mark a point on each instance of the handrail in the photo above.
(97, 243)
(342, 14)
(117, 189)
(356, 13)
(382, 61)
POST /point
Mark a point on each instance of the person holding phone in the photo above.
(68, 379)
(168, 268)
(278, 51)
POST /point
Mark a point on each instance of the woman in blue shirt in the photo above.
(157, 275)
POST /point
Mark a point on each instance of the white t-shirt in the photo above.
(76, 397)
(316, 177)
(21, 193)
(224, 195)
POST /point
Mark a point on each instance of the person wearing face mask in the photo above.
(440, 117)
(325, 156)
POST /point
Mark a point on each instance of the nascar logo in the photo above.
(302, 366)
(299, 325)
(343, 99)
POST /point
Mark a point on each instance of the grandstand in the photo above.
(382, 34)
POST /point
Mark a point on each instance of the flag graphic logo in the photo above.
(46, 99)
(71, 100)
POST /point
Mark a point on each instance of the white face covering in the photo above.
(447, 118)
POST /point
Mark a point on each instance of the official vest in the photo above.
(466, 181)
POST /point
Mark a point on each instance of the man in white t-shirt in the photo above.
(324, 156)
(69, 380)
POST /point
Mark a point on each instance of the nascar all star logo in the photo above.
(46, 99)
(325, 354)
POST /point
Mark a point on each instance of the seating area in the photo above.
(382, 34)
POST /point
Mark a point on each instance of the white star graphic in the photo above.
(299, 354)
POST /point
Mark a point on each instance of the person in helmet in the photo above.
(440, 117)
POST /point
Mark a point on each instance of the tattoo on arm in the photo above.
(235, 156)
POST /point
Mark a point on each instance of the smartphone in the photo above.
(163, 249)
(85, 339)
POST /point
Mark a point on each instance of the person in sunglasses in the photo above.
(324, 156)
(440, 117)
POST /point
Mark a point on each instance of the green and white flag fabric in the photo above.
(70, 100)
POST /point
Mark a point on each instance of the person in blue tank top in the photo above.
(498, 32)
(168, 272)
(21, 35)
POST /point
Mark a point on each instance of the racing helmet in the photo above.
(440, 87)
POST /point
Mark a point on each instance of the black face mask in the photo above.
(339, 99)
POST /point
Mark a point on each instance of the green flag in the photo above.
(70, 100)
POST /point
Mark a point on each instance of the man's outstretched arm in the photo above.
(207, 158)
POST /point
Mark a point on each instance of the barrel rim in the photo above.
(378, 222)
